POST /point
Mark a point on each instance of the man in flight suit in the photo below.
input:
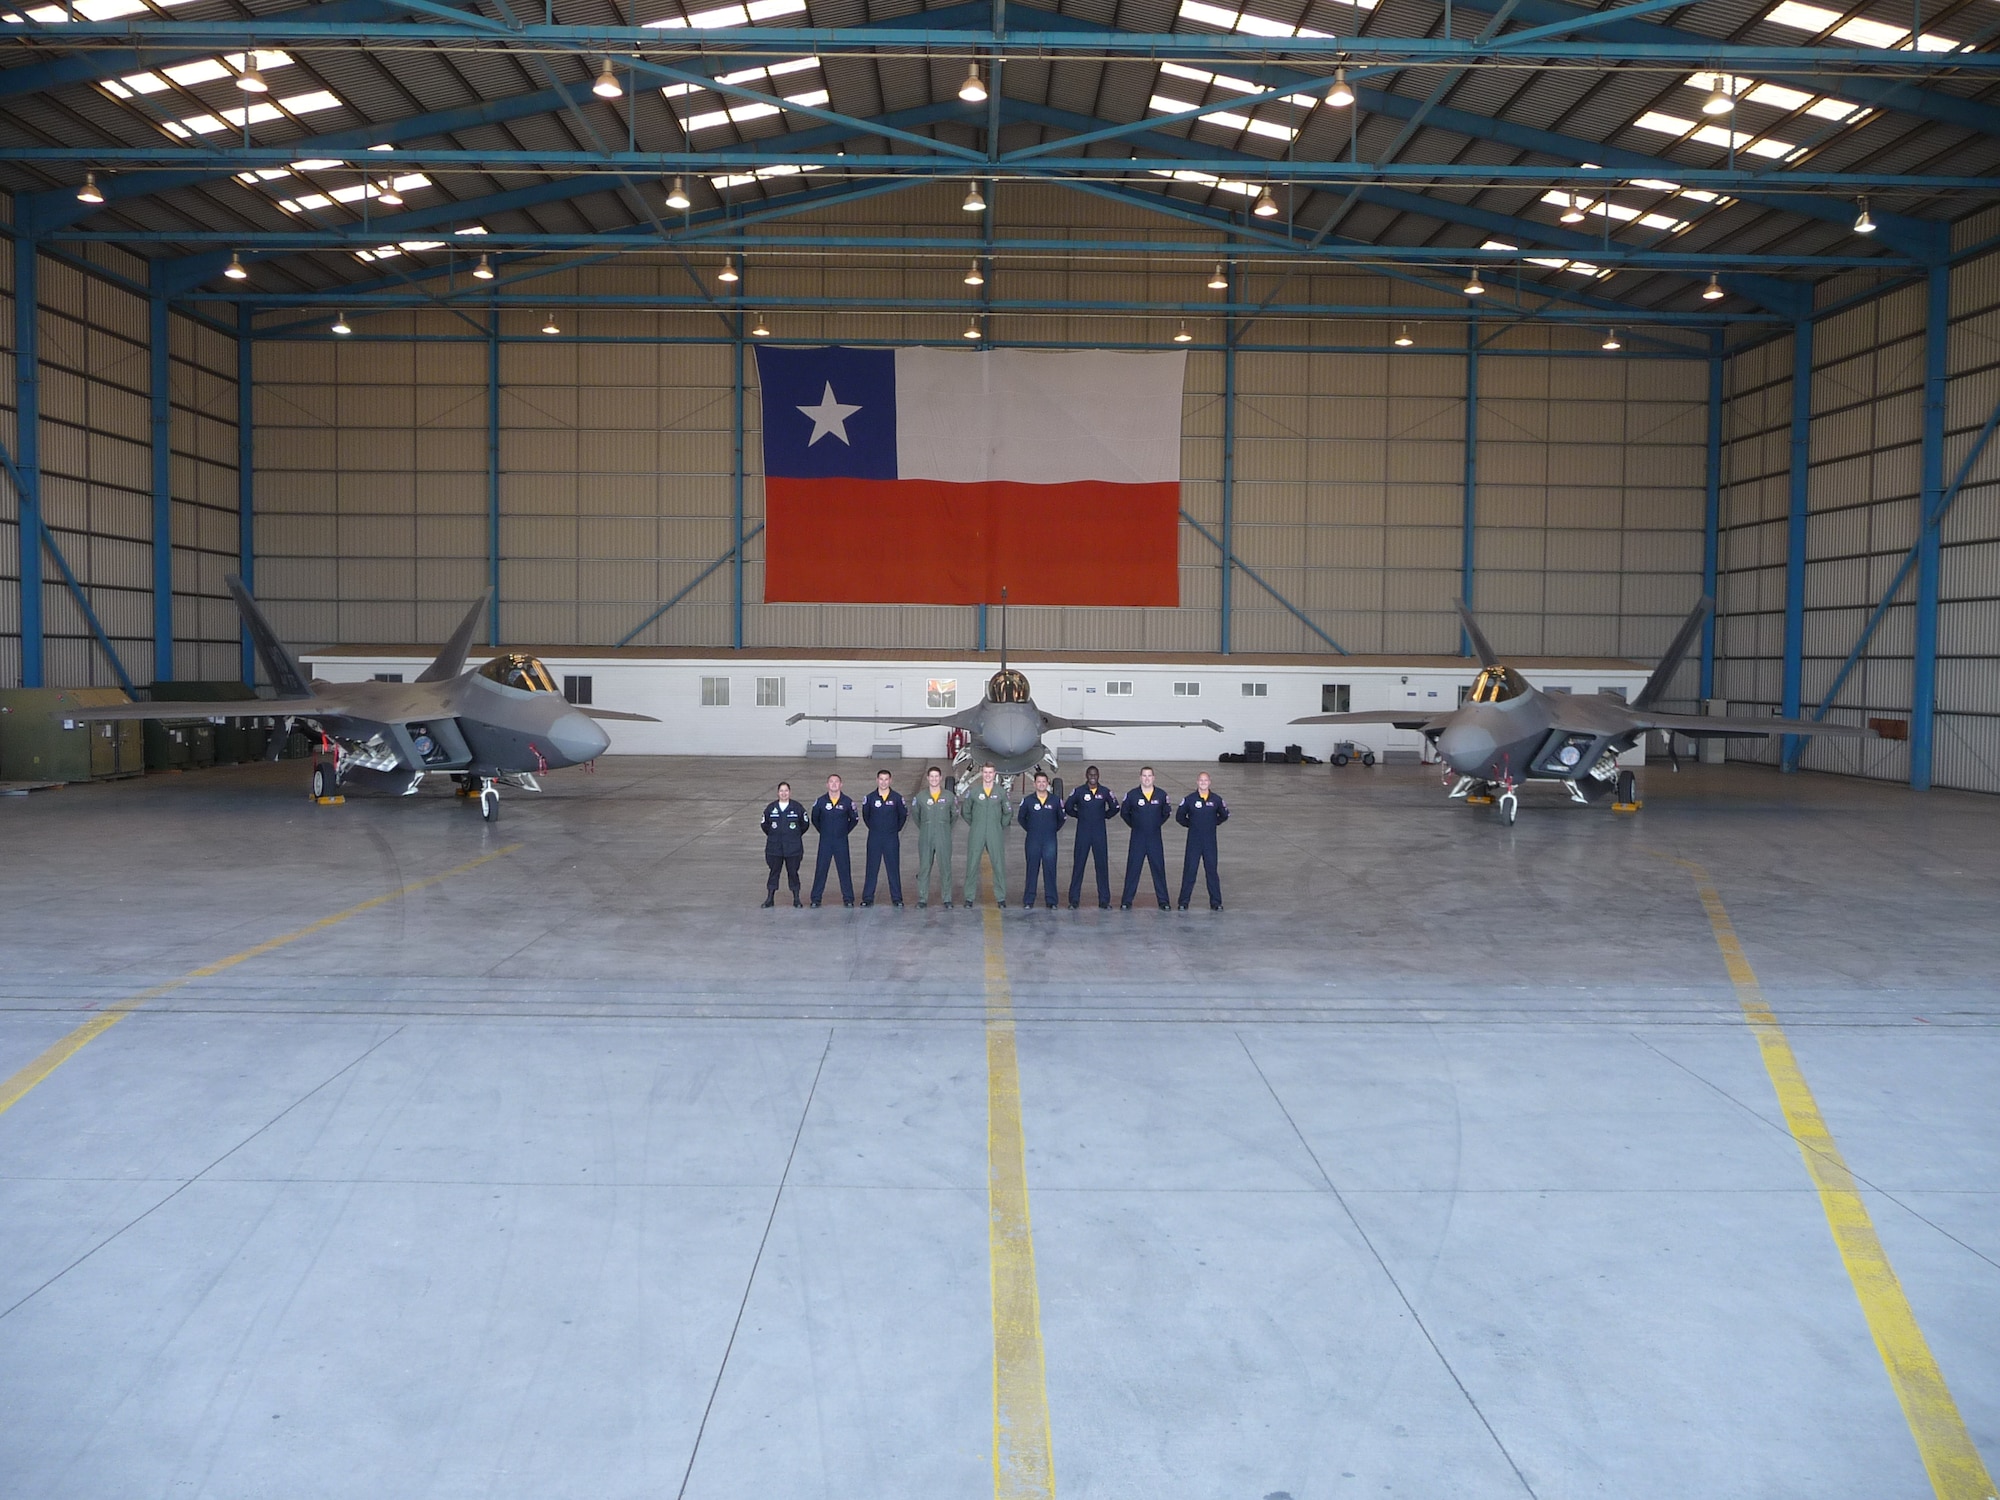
(1146, 811)
(1201, 812)
(1091, 807)
(834, 816)
(984, 812)
(1041, 815)
(784, 825)
(935, 808)
(883, 811)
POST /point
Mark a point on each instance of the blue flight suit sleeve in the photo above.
(1221, 808)
(853, 813)
(1021, 813)
(1128, 808)
(1184, 814)
(814, 816)
(903, 810)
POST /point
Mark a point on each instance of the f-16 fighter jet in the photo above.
(1508, 732)
(1005, 728)
(503, 722)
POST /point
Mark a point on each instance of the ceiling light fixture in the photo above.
(340, 324)
(1181, 335)
(1267, 206)
(972, 329)
(552, 328)
(760, 331)
(1721, 102)
(677, 197)
(729, 273)
(234, 270)
(1340, 95)
(1218, 282)
(1403, 339)
(484, 270)
(1862, 223)
(973, 90)
(607, 85)
(89, 192)
(1474, 287)
(251, 81)
(973, 275)
(390, 196)
(1611, 339)
(1572, 214)
(1713, 291)
(973, 204)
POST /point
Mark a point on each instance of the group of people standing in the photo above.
(986, 810)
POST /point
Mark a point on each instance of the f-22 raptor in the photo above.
(500, 723)
(1508, 732)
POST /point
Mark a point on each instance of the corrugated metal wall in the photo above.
(96, 484)
(616, 465)
(1863, 506)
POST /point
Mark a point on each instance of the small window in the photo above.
(715, 692)
(1187, 690)
(1256, 689)
(576, 689)
(1336, 698)
(388, 676)
(770, 692)
(941, 692)
(1117, 689)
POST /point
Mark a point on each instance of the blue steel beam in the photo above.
(160, 396)
(1711, 526)
(1255, 577)
(1796, 504)
(1228, 547)
(28, 438)
(695, 582)
(246, 479)
(31, 528)
(1469, 519)
(1923, 677)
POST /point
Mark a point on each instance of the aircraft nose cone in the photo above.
(577, 738)
(1468, 748)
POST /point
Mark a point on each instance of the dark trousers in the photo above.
(1093, 848)
(885, 855)
(1148, 853)
(1202, 854)
(1041, 862)
(834, 852)
(789, 863)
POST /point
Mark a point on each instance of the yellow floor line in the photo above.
(17, 1088)
(1957, 1472)
(1023, 1464)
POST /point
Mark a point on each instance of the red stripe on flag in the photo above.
(926, 541)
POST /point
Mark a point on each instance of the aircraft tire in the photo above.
(1509, 806)
(489, 806)
(322, 783)
(1628, 786)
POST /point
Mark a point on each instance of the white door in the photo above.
(822, 697)
(854, 698)
(888, 702)
(1079, 701)
(1421, 696)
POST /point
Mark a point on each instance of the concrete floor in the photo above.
(1440, 1164)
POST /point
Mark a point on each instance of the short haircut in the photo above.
(784, 786)
(833, 776)
(1144, 769)
(934, 768)
(989, 766)
(1088, 769)
(880, 772)
(1041, 775)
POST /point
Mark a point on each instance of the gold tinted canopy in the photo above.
(1497, 684)
(517, 671)
(1007, 686)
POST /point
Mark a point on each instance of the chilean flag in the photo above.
(939, 476)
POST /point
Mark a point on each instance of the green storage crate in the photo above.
(229, 740)
(182, 744)
(166, 745)
(201, 744)
(35, 745)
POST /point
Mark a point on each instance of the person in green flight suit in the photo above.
(987, 817)
(935, 809)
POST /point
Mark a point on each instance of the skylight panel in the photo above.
(1777, 96)
(1859, 30)
(254, 114)
(1160, 104)
(748, 75)
(1716, 135)
(1234, 85)
(1231, 19)
(740, 179)
(89, 10)
(1553, 262)
(737, 114)
(354, 192)
(734, 15)
(203, 70)
(1621, 212)
(1209, 179)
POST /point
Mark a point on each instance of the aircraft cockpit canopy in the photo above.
(1497, 685)
(1007, 686)
(517, 671)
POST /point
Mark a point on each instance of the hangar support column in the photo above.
(1711, 524)
(1923, 666)
(246, 475)
(493, 477)
(1795, 535)
(736, 492)
(1469, 522)
(161, 394)
(1228, 464)
(28, 453)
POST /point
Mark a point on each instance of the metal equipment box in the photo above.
(177, 744)
(36, 745)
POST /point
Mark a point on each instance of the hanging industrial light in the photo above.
(1574, 213)
(484, 270)
(972, 329)
(607, 85)
(1181, 335)
(677, 197)
(1474, 287)
(388, 194)
(973, 90)
(89, 192)
(974, 276)
(973, 204)
(1862, 223)
(552, 328)
(1713, 291)
(1267, 206)
(760, 331)
(1403, 339)
(728, 273)
(250, 80)
(1611, 340)
(1721, 102)
(340, 324)
(1340, 95)
(235, 270)
(1218, 282)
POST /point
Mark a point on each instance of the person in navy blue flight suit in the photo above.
(1145, 811)
(1091, 808)
(834, 816)
(784, 825)
(885, 814)
(1041, 815)
(1201, 812)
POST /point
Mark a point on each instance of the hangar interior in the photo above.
(376, 1149)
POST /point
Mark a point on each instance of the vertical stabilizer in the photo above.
(279, 663)
(451, 661)
(1663, 673)
(1480, 645)
(1003, 627)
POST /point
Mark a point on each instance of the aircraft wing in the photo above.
(1694, 726)
(961, 720)
(1402, 718)
(1105, 726)
(612, 713)
(237, 708)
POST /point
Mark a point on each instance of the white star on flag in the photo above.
(829, 416)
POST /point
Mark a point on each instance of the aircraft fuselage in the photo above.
(1517, 740)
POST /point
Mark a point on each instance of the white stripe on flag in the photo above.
(1034, 416)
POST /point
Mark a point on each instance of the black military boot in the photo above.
(770, 900)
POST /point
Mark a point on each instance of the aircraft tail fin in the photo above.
(287, 678)
(1003, 627)
(451, 661)
(1480, 645)
(1670, 663)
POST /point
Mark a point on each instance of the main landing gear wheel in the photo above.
(1510, 804)
(322, 781)
(1628, 786)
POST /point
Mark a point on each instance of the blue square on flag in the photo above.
(829, 413)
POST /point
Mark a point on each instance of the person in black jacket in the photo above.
(834, 816)
(784, 826)
(1091, 808)
(1146, 811)
(884, 813)
(1201, 812)
(1042, 816)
